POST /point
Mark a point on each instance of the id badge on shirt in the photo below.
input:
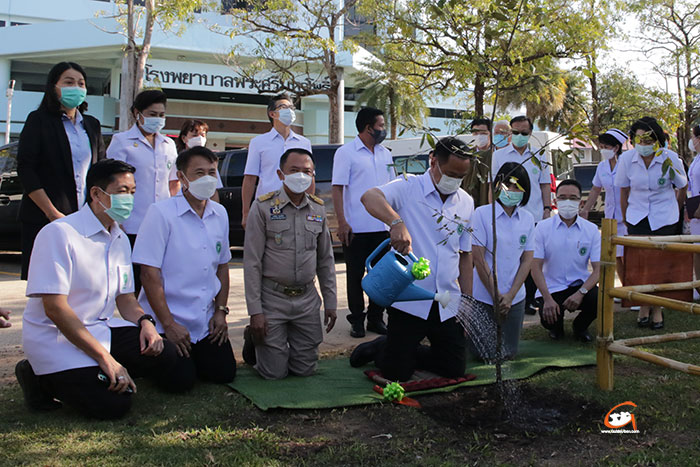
(126, 279)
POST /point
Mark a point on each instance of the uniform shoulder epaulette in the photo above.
(316, 199)
(266, 196)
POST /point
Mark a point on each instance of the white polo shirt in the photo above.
(155, 168)
(417, 201)
(264, 154)
(75, 256)
(537, 176)
(694, 190)
(652, 193)
(515, 236)
(188, 250)
(605, 178)
(358, 169)
(566, 251)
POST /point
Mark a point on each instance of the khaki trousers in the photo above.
(293, 334)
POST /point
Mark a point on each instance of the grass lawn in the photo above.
(216, 426)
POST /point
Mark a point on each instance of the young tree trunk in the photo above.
(333, 120)
(134, 62)
(479, 91)
(393, 120)
(595, 108)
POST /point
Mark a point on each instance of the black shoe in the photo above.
(556, 335)
(358, 329)
(656, 326)
(643, 322)
(530, 310)
(365, 353)
(34, 396)
(248, 347)
(376, 325)
(583, 336)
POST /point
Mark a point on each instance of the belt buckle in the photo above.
(293, 291)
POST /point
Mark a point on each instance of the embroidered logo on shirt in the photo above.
(460, 229)
(278, 239)
(218, 247)
(170, 164)
(126, 279)
(582, 251)
(534, 170)
(662, 181)
(314, 218)
(136, 145)
(523, 240)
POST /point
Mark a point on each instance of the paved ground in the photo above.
(12, 296)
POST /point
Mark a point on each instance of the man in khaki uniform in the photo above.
(287, 244)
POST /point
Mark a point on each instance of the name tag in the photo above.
(278, 217)
(312, 218)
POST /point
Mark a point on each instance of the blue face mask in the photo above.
(500, 141)
(645, 150)
(72, 96)
(520, 141)
(510, 198)
(121, 205)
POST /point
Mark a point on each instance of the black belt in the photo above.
(289, 290)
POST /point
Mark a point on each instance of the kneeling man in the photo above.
(564, 245)
(79, 270)
(287, 244)
(428, 206)
(182, 247)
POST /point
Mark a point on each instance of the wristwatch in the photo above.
(147, 318)
(395, 222)
(583, 290)
(222, 308)
(548, 207)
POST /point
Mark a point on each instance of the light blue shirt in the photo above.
(81, 153)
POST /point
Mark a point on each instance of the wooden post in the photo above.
(606, 305)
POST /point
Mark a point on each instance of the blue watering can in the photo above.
(391, 280)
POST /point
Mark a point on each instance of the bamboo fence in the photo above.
(606, 344)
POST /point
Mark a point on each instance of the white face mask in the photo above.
(203, 188)
(568, 209)
(298, 182)
(691, 146)
(607, 153)
(152, 124)
(447, 185)
(481, 140)
(287, 116)
(197, 141)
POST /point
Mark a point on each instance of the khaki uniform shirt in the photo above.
(288, 244)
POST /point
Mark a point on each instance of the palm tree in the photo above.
(386, 90)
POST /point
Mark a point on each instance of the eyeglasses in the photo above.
(524, 133)
(285, 106)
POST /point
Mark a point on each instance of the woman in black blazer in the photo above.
(57, 146)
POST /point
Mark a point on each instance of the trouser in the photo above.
(402, 353)
(482, 338)
(28, 233)
(137, 267)
(208, 361)
(589, 310)
(361, 246)
(79, 388)
(293, 334)
(530, 291)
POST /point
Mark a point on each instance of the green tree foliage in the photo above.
(385, 89)
(299, 42)
(670, 37)
(623, 99)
